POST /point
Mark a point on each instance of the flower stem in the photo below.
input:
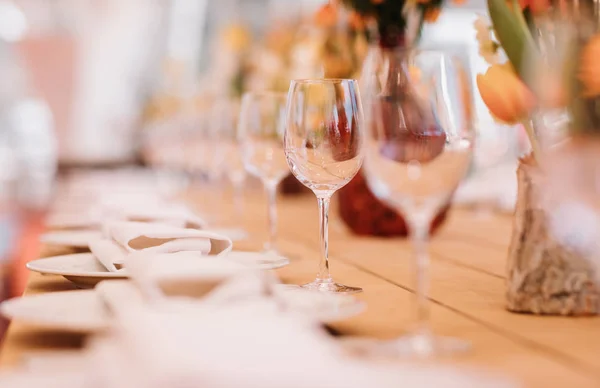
(535, 146)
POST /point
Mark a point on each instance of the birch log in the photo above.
(545, 277)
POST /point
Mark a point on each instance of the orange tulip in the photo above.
(505, 95)
(589, 71)
(356, 21)
(326, 16)
(432, 14)
(535, 6)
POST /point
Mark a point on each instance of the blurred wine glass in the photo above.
(225, 119)
(323, 146)
(261, 127)
(419, 147)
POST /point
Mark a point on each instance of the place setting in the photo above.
(181, 277)
(123, 239)
(75, 228)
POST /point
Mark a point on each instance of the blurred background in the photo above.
(107, 83)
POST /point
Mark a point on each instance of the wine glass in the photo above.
(261, 127)
(323, 146)
(225, 119)
(419, 146)
(206, 155)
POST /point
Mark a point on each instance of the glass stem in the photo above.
(271, 189)
(324, 275)
(419, 234)
(238, 196)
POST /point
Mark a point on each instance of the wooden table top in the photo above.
(468, 258)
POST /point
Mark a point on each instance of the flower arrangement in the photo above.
(552, 53)
(343, 44)
(331, 43)
(552, 50)
(398, 22)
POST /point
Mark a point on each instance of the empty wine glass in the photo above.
(261, 127)
(206, 154)
(323, 146)
(225, 114)
(419, 146)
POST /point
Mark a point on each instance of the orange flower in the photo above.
(236, 37)
(432, 14)
(356, 21)
(589, 70)
(535, 6)
(505, 95)
(327, 16)
(414, 73)
(459, 2)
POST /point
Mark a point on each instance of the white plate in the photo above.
(71, 238)
(81, 238)
(81, 268)
(82, 311)
(85, 271)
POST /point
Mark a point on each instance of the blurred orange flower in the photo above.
(356, 21)
(236, 37)
(432, 14)
(535, 6)
(327, 16)
(505, 95)
(459, 2)
(589, 71)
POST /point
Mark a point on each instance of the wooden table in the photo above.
(467, 293)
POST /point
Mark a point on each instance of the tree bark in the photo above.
(543, 276)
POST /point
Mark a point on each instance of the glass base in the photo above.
(270, 251)
(410, 346)
(330, 286)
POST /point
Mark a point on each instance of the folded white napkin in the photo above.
(167, 213)
(187, 274)
(247, 345)
(125, 208)
(126, 238)
(181, 343)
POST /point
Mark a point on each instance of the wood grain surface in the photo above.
(468, 258)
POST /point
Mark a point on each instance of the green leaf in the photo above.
(513, 33)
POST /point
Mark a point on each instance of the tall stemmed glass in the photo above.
(224, 119)
(419, 146)
(323, 146)
(261, 127)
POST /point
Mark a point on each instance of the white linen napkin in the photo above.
(126, 238)
(186, 274)
(247, 345)
(135, 209)
(178, 343)
(167, 213)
